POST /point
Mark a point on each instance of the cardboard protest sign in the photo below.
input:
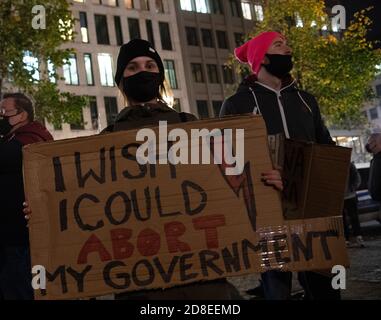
(104, 223)
(314, 176)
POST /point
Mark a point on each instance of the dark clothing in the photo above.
(15, 273)
(277, 285)
(137, 117)
(354, 181)
(302, 119)
(13, 229)
(15, 268)
(375, 178)
(295, 114)
(350, 215)
(350, 210)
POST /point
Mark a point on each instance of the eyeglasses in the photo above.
(5, 114)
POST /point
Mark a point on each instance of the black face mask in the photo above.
(280, 65)
(143, 86)
(5, 127)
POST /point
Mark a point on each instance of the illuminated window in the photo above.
(70, 71)
(84, 27)
(259, 12)
(88, 69)
(246, 10)
(170, 73)
(129, 4)
(31, 64)
(105, 69)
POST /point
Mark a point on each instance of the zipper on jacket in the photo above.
(283, 116)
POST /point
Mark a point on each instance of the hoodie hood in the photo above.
(32, 132)
(288, 84)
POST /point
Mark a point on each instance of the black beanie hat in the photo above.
(133, 49)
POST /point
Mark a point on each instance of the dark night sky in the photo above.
(353, 6)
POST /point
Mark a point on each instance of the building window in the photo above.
(228, 75)
(222, 40)
(187, 5)
(159, 6)
(217, 108)
(378, 90)
(88, 69)
(216, 7)
(51, 72)
(170, 73)
(111, 108)
(129, 4)
(246, 10)
(94, 113)
(373, 113)
(150, 36)
(201, 6)
(192, 36)
(202, 109)
(259, 12)
(111, 3)
(31, 64)
(165, 35)
(118, 31)
(80, 125)
(84, 27)
(197, 73)
(212, 73)
(105, 69)
(101, 29)
(70, 71)
(239, 39)
(134, 28)
(234, 7)
(207, 38)
(177, 104)
(144, 5)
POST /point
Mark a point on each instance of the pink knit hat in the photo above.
(254, 50)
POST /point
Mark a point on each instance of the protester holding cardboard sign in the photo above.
(140, 78)
(271, 92)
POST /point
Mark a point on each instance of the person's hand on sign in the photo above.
(273, 178)
(27, 211)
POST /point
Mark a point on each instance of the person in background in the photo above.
(17, 129)
(374, 183)
(271, 92)
(350, 211)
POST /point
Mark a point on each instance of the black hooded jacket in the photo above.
(290, 110)
(13, 230)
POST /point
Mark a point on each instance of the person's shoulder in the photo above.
(33, 132)
(307, 94)
(186, 116)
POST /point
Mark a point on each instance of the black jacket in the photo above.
(135, 117)
(375, 178)
(13, 230)
(290, 110)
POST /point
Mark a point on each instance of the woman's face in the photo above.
(140, 64)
